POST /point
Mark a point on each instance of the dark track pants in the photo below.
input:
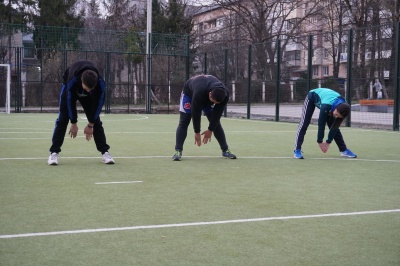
(306, 115)
(61, 125)
(181, 132)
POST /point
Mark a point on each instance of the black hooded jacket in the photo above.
(198, 89)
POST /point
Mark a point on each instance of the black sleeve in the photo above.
(196, 111)
(216, 114)
(71, 101)
(97, 97)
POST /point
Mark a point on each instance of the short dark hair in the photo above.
(343, 109)
(218, 94)
(89, 78)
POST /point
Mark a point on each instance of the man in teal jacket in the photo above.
(333, 110)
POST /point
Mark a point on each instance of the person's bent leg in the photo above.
(59, 131)
(185, 116)
(181, 131)
(339, 140)
(344, 151)
(98, 130)
(306, 115)
(60, 127)
(101, 142)
(219, 135)
(99, 137)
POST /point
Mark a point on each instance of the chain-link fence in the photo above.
(267, 80)
(271, 80)
(134, 78)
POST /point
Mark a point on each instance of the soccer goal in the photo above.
(5, 82)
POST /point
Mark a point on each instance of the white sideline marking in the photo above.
(196, 224)
(19, 132)
(118, 182)
(339, 158)
(140, 117)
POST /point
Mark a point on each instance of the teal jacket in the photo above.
(326, 100)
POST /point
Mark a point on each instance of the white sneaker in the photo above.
(53, 159)
(107, 158)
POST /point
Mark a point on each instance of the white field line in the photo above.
(152, 132)
(205, 157)
(118, 182)
(197, 224)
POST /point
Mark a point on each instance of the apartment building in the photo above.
(214, 25)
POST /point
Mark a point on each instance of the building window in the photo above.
(314, 19)
(220, 22)
(29, 50)
(211, 24)
(315, 71)
(326, 70)
(290, 24)
(326, 53)
(293, 55)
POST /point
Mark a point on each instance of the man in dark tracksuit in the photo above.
(202, 93)
(333, 110)
(81, 82)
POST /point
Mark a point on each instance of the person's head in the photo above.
(342, 110)
(217, 95)
(89, 80)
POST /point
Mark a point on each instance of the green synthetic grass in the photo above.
(264, 182)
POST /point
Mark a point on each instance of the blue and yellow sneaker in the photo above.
(177, 156)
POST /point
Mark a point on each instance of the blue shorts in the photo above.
(185, 105)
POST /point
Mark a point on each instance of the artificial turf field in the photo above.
(265, 208)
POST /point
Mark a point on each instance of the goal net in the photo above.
(5, 82)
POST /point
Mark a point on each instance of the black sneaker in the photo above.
(177, 156)
(228, 154)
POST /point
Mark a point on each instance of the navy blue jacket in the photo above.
(73, 90)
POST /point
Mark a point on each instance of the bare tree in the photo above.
(391, 14)
(335, 24)
(263, 23)
(360, 17)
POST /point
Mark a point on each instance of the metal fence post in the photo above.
(18, 87)
(249, 82)
(309, 62)
(187, 57)
(278, 78)
(108, 78)
(225, 74)
(396, 107)
(205, 63)
(148, 76)
(349, 74)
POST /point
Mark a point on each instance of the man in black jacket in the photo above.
(202, 93)
(81, 82)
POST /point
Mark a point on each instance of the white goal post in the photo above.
(8, 83)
